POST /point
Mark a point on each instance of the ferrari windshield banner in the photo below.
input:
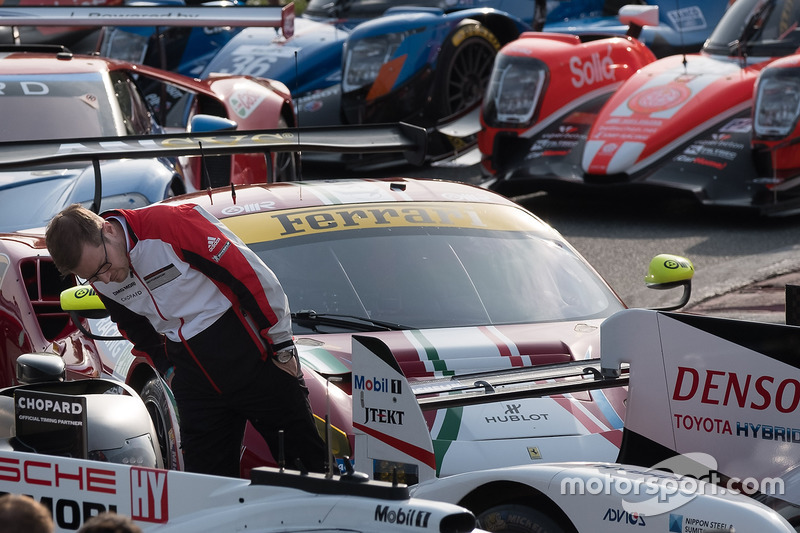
(296, 222)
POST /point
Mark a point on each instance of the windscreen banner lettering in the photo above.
(24, 88)
(295, 222)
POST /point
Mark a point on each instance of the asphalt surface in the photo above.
(762, 301)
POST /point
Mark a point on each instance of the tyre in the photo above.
(161, 407)
(465, 66)
(517, 518)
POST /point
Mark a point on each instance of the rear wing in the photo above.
(403, 138)
(400, 137)
(245, 16)
(393, 416)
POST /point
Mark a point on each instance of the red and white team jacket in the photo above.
(187, 270)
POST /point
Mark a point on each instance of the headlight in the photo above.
(136, 451)
(365, 58)
(777, 102)
(514, 91)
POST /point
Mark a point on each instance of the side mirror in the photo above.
(82, 301)
(667, 271)
(40, 368)
(637, 17)
(206, 123)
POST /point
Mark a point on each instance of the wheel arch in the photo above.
(505, 492)
(504, 28)
(141, 375)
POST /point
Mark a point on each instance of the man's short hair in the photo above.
(68, 232)
(23, 514)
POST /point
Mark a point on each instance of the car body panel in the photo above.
(682, 126)
(169, 501)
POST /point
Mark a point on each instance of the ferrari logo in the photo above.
(534, 453)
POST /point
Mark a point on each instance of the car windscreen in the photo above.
(758, 28)
(481, 269)
(43, 106)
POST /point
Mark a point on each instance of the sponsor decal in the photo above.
(383, 416)
(736, 390)
(212, 243)
(748, 391)
(659, 98)
(333, 218)
(679, 524)
(149, 501)
(124, 288)
(23, 88)
(161, 276)
(623, 517)
(48, 422)
(702, 161)
(218, 257)
(245, 102)
(401, 516)
(534, 452)
(83, 292)
(44, 472)
(70, 514)
(594, 70)
(512, 414)
(675, 523)
(248, 208)
(688, 18)
(390, 386)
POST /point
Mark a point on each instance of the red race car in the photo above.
(718, 127)
(453, 278)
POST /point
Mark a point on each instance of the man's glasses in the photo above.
(105, 267)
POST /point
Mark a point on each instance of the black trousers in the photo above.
(213, 419)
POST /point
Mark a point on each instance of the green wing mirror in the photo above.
(667, 271)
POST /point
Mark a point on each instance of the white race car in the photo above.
(98, 449)
(708, 444)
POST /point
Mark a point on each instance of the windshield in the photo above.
(439, 276)
(760, 28)
(54, 107)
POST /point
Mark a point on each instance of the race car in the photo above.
(445, 50)
(85, 447)
(432, 68)
(51, 93)
(553, 497)
(708, 442)
(716, 127)
(414, 262)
